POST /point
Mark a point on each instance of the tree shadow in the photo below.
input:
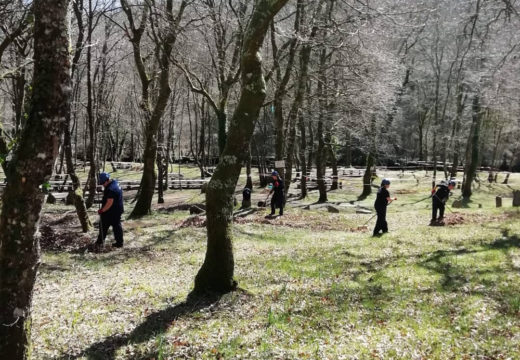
(154, 324)
(111, 256)
(455, 278)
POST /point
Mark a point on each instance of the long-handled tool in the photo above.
(418, 201)
(445, 205)
(373, 216)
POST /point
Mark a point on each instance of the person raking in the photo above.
(278, 199)
(440, 195)
(382, 200)
(111, 210)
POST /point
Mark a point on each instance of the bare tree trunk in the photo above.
(301, 87)
(153, 117)
(456, 130)
(160, 166)
(303, 146)
(216, 273)
(281, 90)
(32, 166)
(367, 177)
(77, 192)
(311, 148)
(249, 181)
(92, 146)
(471, 167)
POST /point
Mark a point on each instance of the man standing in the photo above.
(382, 200)
(111, 210)
(278, 199)
(440, 195)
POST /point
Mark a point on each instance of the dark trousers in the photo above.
(437, 206)
(381, 223)
(276, 202)
(107, 221)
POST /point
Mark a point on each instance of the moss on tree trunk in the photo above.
(216, 273)
(31, 166)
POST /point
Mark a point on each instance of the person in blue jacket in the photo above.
(382, 200)
(111, 210)
(278, 199)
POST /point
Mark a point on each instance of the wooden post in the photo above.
(506, 179)
(516, 198)
(498, 201)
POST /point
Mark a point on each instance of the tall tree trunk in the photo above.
(32, 166)
(92, 146)
(77, 192)
(160, 166)
(367, 177)
(249, 180)
(348, 151)
(303, 146)
(153, 117)
(281, 90)
(216, 273)
(334, 165)
(456, 130)
(321, 154)
(311, 148)
(471, 167)
(301, 87)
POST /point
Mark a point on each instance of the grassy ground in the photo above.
(310, 287)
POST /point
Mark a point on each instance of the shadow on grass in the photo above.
(153, 325)
(111, 256)
(455, 277)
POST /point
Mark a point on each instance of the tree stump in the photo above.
(516, 198)
(498, 201)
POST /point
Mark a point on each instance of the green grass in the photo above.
(313, 291)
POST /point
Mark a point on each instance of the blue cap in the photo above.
(274, 173)
(385, 182)
(103, 177)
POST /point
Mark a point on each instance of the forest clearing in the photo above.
(259, 179)
(311, 285)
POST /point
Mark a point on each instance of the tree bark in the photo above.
(77, 191)
(303, 146)
(153, 117)
(367, 177)
(216, 273)
(471, 167)
(32, 166)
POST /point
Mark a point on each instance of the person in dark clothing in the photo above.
(111, 210)
(440, 195)
(278, 199)
(246, 198)
(382, 200)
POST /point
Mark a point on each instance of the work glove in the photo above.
(100, 212)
